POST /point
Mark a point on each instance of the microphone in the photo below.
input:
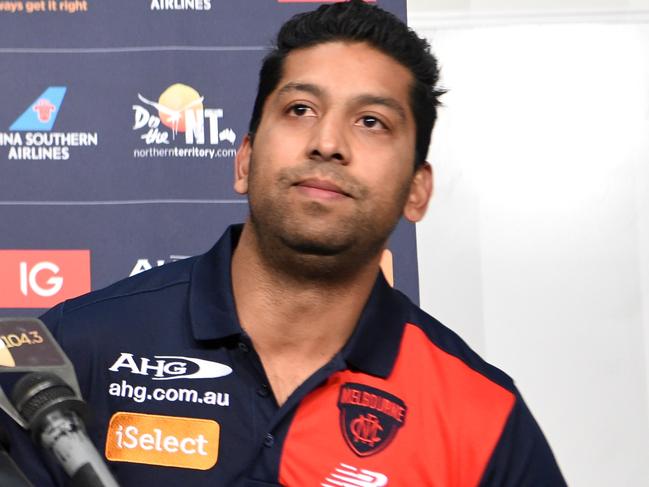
(47, 401)
(26, 345)
(54, 415)
(10, 474)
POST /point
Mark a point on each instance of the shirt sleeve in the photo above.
(522, 457)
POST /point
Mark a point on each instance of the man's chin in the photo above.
(316, 247)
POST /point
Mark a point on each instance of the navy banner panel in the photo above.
(119, 122)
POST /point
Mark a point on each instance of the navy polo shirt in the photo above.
(180, 397)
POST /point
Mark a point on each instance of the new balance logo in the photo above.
(347, 476)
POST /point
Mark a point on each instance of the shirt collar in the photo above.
(211, 303)
(375, 343)
(372, 348)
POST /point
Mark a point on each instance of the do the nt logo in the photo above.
(42, 278)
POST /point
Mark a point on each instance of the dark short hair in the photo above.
(357, 21)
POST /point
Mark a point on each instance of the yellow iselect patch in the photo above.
(170, 441)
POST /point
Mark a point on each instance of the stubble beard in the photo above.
(294, 242)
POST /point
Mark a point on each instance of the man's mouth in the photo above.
(321, 188)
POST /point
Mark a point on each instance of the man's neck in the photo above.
(296, 325)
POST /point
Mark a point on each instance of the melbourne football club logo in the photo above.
(369, 418)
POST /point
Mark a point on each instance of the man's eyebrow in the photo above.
(382, 100)
(296, 86)
(364, 99)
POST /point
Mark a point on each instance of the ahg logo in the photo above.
(167, 367)
(42, 278)
(146, 264)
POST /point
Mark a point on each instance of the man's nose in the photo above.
(329, 140)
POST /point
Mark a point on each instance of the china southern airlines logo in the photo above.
(42, 113)
(347, 476)
(167, 367)
(31, 136)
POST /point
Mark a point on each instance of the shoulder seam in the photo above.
(69, 309)
(510, 387)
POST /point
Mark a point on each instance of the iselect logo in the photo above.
(168, 367)
(163, 440)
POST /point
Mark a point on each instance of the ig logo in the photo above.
(29, 279)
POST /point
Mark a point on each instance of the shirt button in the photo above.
(269, 440)
(243, 347)
(263, 391)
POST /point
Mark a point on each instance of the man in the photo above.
(282, 357)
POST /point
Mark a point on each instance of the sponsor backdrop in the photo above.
(118, 126)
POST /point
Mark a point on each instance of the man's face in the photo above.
(332, 164)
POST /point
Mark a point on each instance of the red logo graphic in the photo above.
(44, 108)
(319, 1)
(42, 278)
(365, 429)
(369, 417)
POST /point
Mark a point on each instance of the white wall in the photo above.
(536, 246)
(417, 6)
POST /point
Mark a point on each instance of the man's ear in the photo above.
(421, 190)
(242, 165)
